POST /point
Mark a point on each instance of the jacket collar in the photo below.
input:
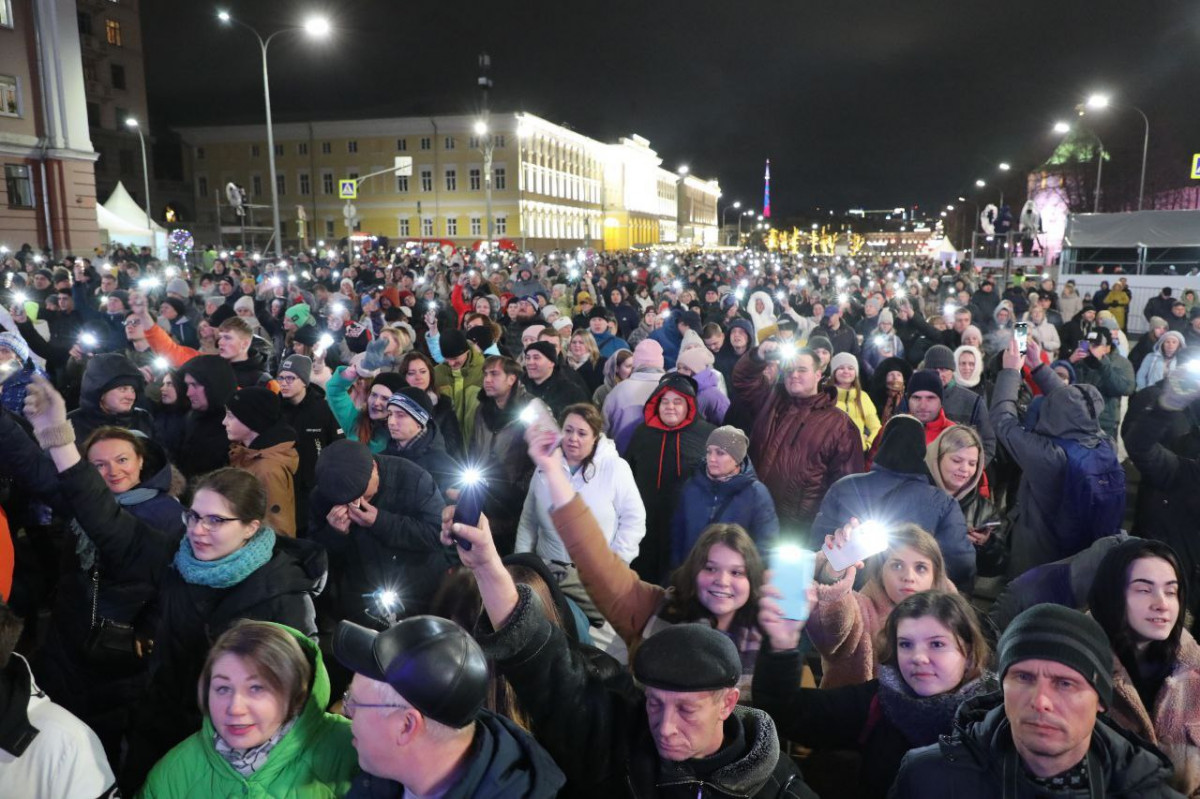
(17, 693)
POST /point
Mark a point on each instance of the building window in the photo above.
(452, 226)
(352, 175)
(402, 184)
(10, 105)
(426, 143)
(498, 139)
(118, 76)
(281, 185)
(202, 186)
(426, 179)
(476, 226)
(451, 180)
(126, 159)
(498, 179)
(199, 153)
(6, 17)
(473, 176)
(501, 227)
(449, 142)
(20, 187)
(403, 228)
(84, 19)
(255, 151)
(326, 148)
(327, 183)
(302, 148)
(401, 144)
(473, 142)
(256, 185)
(93, 114)
(427, 226)
(279, 151)
(351, 146)
(329, 233)
(112, 30)
(305, 184)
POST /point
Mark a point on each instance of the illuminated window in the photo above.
(474, 178)
(10, 101)
(427, 226)
(451, 180)
(112, 30)
(498, 179)
(452, 226)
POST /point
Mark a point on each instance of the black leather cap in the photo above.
(687, 658)
(431, 662)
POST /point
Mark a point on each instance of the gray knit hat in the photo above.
(1063, 635)
(730, 439)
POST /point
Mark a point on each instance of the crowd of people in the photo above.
(417, 522)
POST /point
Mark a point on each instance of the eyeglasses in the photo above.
(350, 705)
(287, 380)
(209, 521)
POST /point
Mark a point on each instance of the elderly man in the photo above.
(1044, 732)
(416, 709)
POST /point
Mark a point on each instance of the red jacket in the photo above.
(799, 446)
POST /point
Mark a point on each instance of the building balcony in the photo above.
(95, 89)
(92, 46)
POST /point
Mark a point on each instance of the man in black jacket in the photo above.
(543, 378)
(209, 383)
(677, 732)
(111, 387)
(305, 410)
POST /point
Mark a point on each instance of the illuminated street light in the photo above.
(980, 183)
(683, 170)
(1062, 128)
(1005, 166)
(481, 128)
(132, 124)
(1098, 102)
(949, 207)
(317, 26)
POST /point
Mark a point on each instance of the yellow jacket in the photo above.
(865, 417)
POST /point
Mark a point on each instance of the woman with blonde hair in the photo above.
(955, 462)
(852, 399)
(584, 357)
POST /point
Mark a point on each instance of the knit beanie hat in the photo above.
(453, 344)
(1062, 635)
(392, 381)
(561, 323)
(299, 365)
(480, 336)
(343, 471)
(243, 304)
(697, 359)
(1157, 322)
(415, 402)
(902, 445)
(939, 356)
(308, 335)
(551, 312)
(545, 348)
(925, 380)
(730, 439)
(256, 407)
(300, 314)
(843, 359)
(532, 332)
(12, 341)
(178, 285)
(177, 304)
(886, 316)
(819, 342)
(648, 353)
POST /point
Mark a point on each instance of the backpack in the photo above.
(1093, 494)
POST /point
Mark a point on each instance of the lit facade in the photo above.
(48, 197)
(639, 202)
(698, 225)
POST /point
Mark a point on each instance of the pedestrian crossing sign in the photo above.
(348, 189)
(1196, 166)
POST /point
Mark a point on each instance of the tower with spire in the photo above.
(767, 192)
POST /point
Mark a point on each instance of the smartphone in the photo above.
(1191, 374)
(869, 539)
(539, 418)
(1084, 347)
(792, 570)
(1022, 333)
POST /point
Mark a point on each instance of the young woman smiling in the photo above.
(932, 657)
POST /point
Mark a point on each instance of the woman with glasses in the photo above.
(263, 690)
(228, 566)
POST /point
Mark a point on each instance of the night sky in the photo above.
(873, 104)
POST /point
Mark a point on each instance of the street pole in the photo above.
(1145, 150)
(133, 123)
(271, 151)
(1099, 174)
(487, 140)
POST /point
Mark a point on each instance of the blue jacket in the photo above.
(669, 337)
(742, 499)
(893, 498)
(609, 344)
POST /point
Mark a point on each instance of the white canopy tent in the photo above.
(124, 221)
(1134, 229)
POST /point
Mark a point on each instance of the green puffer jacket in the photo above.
(315, 760)
(338, 396)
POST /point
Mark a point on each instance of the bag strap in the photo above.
(95, 594)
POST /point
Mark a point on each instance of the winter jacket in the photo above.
(101, 372)
(628, 320)
(249, 372)
(843, 339)
(727, 359)
(1117, 301)
(625, 406)
(590, 372)
(316, 428)
(670, 339)
(712, 400)
(1064, 414)
(963, 406)
(608, 488)
(979, 760)
(337, 394)
(1113, 376)
(597, 730)
(462, 388)
(315, 759)
(497, 447)
(1046, 335)
(1155, 366)
(557, 391)
(741, 499)
(504, 762)
(894, 497)
(205, 445)
(272, 458)
(800, 446)
(1074, 332)
(609, 344)
(880, 718)
(662, 459)
(428, 450)
(878, 347)
(861, 411)
(402, 549)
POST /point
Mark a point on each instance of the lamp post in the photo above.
(133, 123)
(735, 206)
(741, 216)
(315, 26)
(486, 141)
(1098, 102)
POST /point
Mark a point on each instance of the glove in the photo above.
(1180, 390)
(46, 410)
(374, 358)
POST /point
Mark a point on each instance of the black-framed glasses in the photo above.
(350, 705)
(287, 380)
(209, 521)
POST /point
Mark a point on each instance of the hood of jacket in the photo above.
(611, 365)
(933, 457)
(1170, 334)
(745, 776)
(278, 445)
(1071, 412)
(506, 762)
(1008, 306)
(216, 375)
(102, 371)
(680, 384)
(902, 446)
(707, 379)
(893, 364)
(982, 735)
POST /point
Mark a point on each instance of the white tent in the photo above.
(125, 221)
(1134, 229)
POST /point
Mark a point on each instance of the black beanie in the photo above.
(308, 335)
(392, 381)
(925, 380)
(480, 336)
(545, 348)
(256, 407)
(343, 471)
(1063, 635)
(220, 315)
(902, 445)
(453, 344)
(178, 305)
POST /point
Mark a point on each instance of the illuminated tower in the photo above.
(767, 192)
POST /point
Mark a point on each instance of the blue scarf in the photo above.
(230, 570)
(85, 548)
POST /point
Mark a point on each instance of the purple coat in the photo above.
(711, 401)
(624, 405)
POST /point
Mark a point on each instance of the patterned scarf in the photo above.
(229, 570)
(248, 761)
(922, 719)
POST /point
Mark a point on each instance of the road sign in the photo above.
(1196, 166)
(348, 189)
(403, 166)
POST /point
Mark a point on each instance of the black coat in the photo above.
(205, 445)
(428, 451)
(557, 391)
(316, 428)
(402, 550)
(596, 728)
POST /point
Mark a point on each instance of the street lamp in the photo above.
(1005, 166)
(1062, 128)
(683, 170)
(741, 216)
(485, 147)
(980, 183)
(735, 206)
(1099, 102)
(133, 123)
(317, 27)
